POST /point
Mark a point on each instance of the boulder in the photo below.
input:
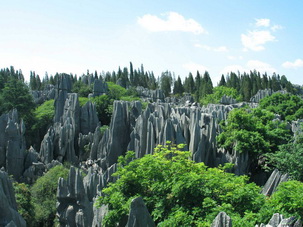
(9, 215)
(139, 215)
(222, 220)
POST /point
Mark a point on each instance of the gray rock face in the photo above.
(88, 118)
(9, 215)
(60, 140)
(64, 87)
(273, 182)
(42, 96)
(115, 140)
(226, 100)
(261, 94)
(264, 93)
(100, 88)
(151, 95)
(76, 197)
(12, 144)
(222, 220)
(277, 220)
(74, 208)
(139, 215)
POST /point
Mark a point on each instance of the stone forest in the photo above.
(128, 148)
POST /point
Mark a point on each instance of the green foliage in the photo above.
(288, 199)
(82, 89)
(115, 91)
(289, 159)
(24, 204)
(83, 101)
(218, 93)
(288, 106)
(44, 115)
(176, 190)
(104, 108)
(15, 94)
(44, 195)
(252, 130)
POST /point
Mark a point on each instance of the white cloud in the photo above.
(293, 65)
(209, 48)
(262, 22)
(232, 68)
(221, 49)
(260, 66)
(276, 27)
(249, 66)
(173, 22)
(193, 67)
(255, 40)
(230, 57)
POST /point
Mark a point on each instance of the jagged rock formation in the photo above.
(260, 95)
(264, 93)
(277, 220)
(150, 95)
(12, 144)
(76, 197)
(222, 220)
(100, 88)
(138, 214)
(42, 96)
(61, 139)
(226, 100)
(273, 182)
(9, 215)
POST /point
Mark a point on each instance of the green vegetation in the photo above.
(24, 203)
(253, 130)
(82, 89)
(218, 93)
(178, 191)
(288, 106)
(44, 196)
(289, 159)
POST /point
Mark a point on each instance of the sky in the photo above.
(74, 36)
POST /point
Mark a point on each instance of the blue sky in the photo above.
(179, 36)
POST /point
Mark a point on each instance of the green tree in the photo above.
(166, 82)
(287, 200)
(218, 93)
(16, 95)
(176, 190)
(289, 159)
(252, 130)
(178, 87)
(189, 84)
(44, 193)
(24, 203)
(288, 106)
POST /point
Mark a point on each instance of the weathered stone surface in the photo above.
(60, 140)
(226, 100)
(115, 140)
(9, 215)
(273, 182)
(222, 220)
(44, 95)
(277, 220)
(261, 94)
(64, 87)
(88, 118)
(74, 208)
(139, 215)
(100, 88)
(151, 95)
(12, 144)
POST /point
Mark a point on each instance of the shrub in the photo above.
(44, 195)
(176, 190)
